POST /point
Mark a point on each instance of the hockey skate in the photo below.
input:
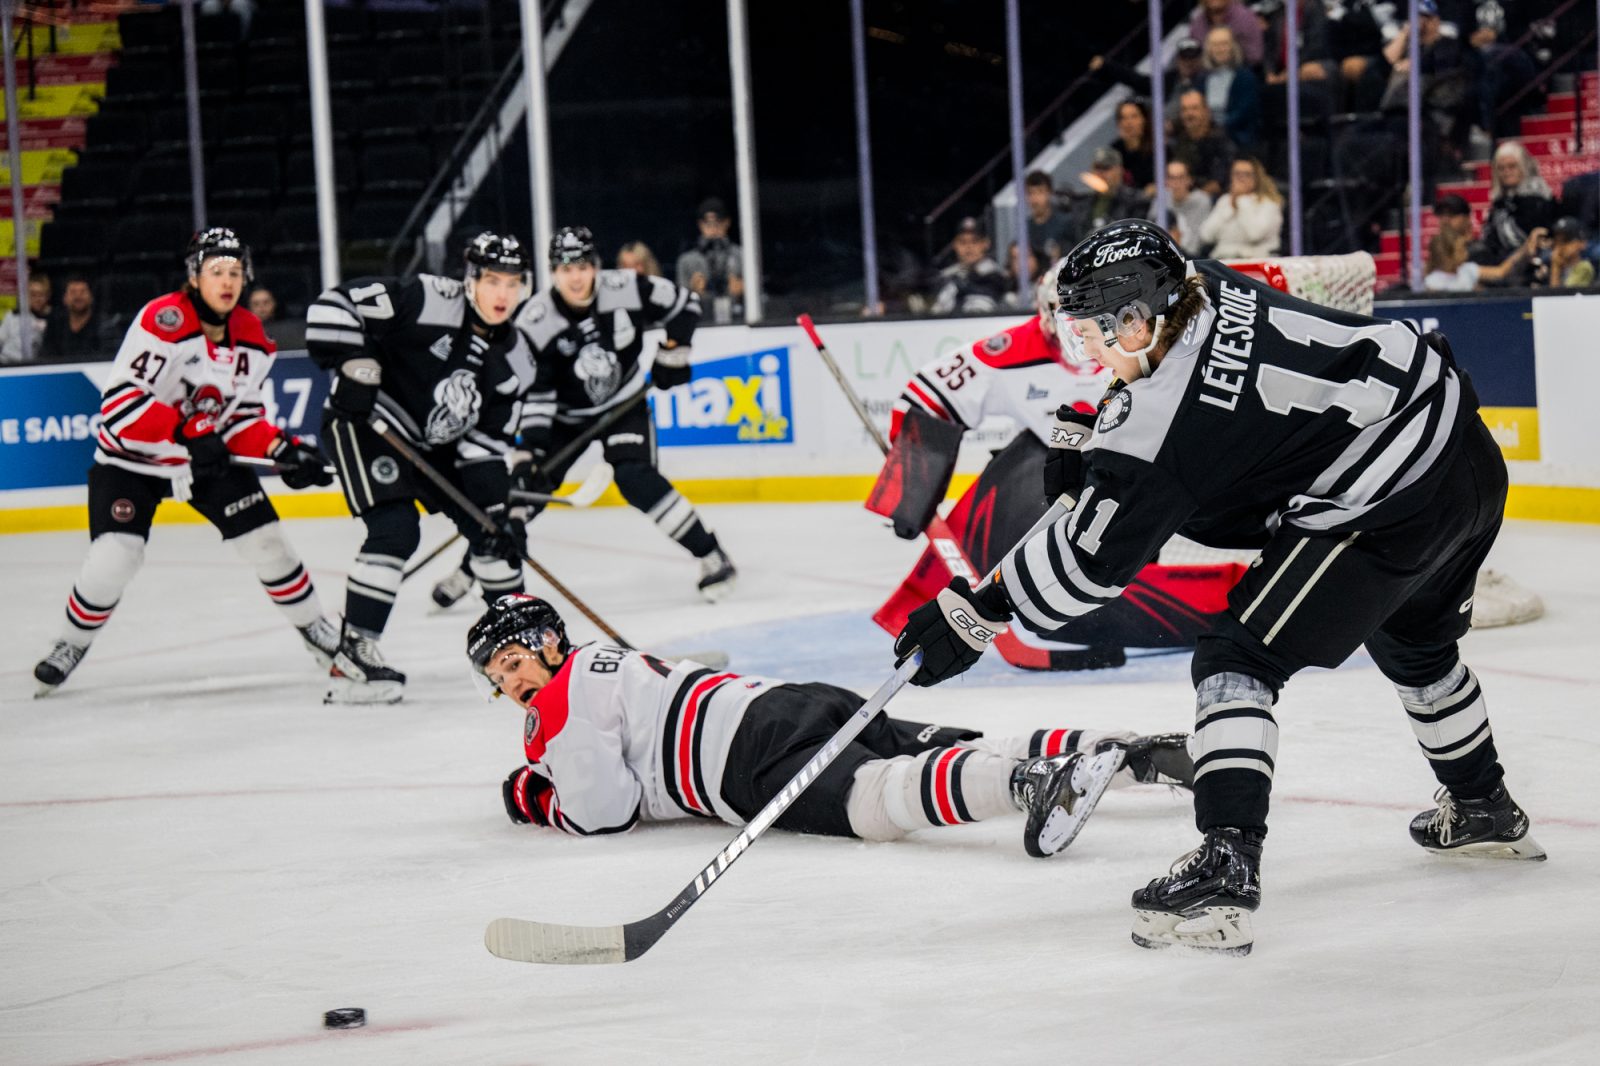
(1059, 792)
(717, 575)
(359, 674)
(1490, 828)
(452, 589)
(1205, 901)
(322, 641)
(56, 667)
(1159, 759)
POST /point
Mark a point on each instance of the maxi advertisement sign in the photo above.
(737, 399)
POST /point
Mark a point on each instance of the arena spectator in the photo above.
(714, 267)
(1199, 143)
(1357, 30)
(12, 349)
(636, 255)
(1580, 198)
(1246, 223)
(1446, 75)
(974, 283)
(1232, 89)
(1049, 230)
(1569, 267)
(287, 332)
(1106, 195)
(1188, 205)
(1319, 71)
(1136, 145)
(1233, 15)
(1036, 264)
(1454, 215)
(1188, 71)
(1520, 201)
(1450, 268)
(1503, 69)
(74, 331)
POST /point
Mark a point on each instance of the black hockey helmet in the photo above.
(515, 618)
(218, 242)
(492, 251)
(573, 244)
(1128, 269)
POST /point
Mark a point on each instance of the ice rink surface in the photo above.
(197, 858)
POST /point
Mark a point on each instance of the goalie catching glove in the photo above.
(522, 792)
(671, 367)
(953, 630)
(301, 464)
(1070, 433)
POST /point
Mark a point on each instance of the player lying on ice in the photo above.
(1350, 451)
(614, 736)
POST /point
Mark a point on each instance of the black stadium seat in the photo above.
(162, 180)
(121, 294)
(293, 230)
(96, 184)
(300, 174)
(127, 82)
(249, 175)
(378, 218)
(396, 168)
(151, 242)
(72, 245)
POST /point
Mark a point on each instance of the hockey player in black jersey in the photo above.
(587, 335)
(440, 363)
(1350, 451)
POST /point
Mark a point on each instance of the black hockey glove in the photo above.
(511, 538)
(355, 390)
(521, 792)
(528, 475)
(671, 367)
(300, 463)
(1063, 463)
(208, 455)
(953, 630)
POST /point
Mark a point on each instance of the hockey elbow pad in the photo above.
(521, 792)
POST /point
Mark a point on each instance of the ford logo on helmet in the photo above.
(1112, 253)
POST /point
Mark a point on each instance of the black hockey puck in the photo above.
(344, 1018)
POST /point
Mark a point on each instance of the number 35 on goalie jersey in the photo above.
(1268, 411)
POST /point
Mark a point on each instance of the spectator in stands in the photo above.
(1319, 71)
(1247, 222)
(1049, 230)
(1454, 215)
(1189, 207)
(12, 349)
(1450, 269)
(1106, 195)
(1200, 144)
(1232, 89)
(1036, 264)
(1233, 15)
(974, 283)
(1520, 202)
(287, 333)
(636, 255)
(1135, 143)
(1357, 30)
(714, 267)
(1569, 268)
(1188, 71)
(1446, 76)
(1502, 68)
(1580, 198)
(74, 332)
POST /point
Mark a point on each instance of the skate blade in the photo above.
(348, 690)
(1525, 850)
(44, 690)
(1090, 779)
(1222, 930)
(324, 660)
(720, 591)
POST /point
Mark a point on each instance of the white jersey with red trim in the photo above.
(1018, 373)
(622, 735)
(164, 358)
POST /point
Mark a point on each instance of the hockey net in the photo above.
(1347, 283)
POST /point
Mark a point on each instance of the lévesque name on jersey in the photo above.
(1228, 362)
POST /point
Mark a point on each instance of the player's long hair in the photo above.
(1191, 301)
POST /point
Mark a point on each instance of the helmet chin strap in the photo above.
(1143, 354)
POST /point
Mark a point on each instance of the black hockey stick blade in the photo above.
(578, 945)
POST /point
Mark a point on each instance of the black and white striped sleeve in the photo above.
(335, 331)
(673, 307)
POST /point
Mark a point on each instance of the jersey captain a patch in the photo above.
(1116, 411)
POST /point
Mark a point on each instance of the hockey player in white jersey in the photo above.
(184, 395)
(613, 736)
(1350, 451)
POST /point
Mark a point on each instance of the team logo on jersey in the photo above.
(614, 279)
(1036, 393)
(441, 347)
(169, 318)
(385, 471)
(122, 510)
(1115, 411)
(997, 343)
(566, 346)
(449, 288)
(530, 726)
(599, 371)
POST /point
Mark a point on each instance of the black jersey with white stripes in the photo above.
(589, 357)
(1269, 411)
(422, 333)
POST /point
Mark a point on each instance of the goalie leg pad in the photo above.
(281, 572)
(942, 786)
(112, 561)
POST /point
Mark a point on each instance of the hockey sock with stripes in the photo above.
(370, 591)
(941, 786)
(1235, 748)
(281, 572)
(496, 576)
(1451, 722)
(644, 487)
(1047, 742)
(112, 561)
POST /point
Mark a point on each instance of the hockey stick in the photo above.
(588, 491)
(267, 464)
(844, 384)
(520, 940)
(568, 452)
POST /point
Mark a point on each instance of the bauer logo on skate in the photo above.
(737, 399)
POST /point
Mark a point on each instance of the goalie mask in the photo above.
(490, 252)
(515, 618)
(1128, 273)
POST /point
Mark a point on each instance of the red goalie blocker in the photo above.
(1163, 607)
